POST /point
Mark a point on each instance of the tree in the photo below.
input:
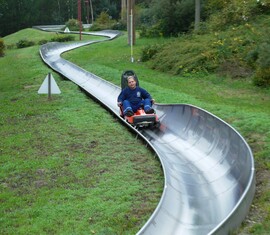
(172, 17)
(19, 14)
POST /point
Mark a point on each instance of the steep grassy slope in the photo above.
(59, 157)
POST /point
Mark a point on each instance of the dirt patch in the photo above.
(40, 183)
(234, 69)
(257, 214)
(31, 86)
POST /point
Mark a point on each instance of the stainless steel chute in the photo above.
(208, 166)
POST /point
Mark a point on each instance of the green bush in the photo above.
(10, 46)
(262, 75)
(24, 43)
(149, 52)
(96, 27)
(263, 5)
(2, 47)
(150, 32)
(121, 25)
(186, 55)
(73, 25)
(252, 57)
(226, 13)
(63, 38)
(43, 41)
(103, 22)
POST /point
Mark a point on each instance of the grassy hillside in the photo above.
(37, 37)
(237, 101)
(240, 52)
(68, 166)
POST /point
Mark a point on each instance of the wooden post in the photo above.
(131, 8)
(92, 12)
(86, 2)
(197, 14)
(123, 9)
(131, 35)
(80, 17)
(49, 87)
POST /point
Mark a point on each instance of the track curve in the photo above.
(208, 166)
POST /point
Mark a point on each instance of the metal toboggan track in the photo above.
(209, 175)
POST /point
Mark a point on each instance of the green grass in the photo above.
(237, 101)
(36, 36)
(67, 165)
(70, 167)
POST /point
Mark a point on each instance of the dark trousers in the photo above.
(127, 106)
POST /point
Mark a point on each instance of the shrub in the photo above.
(73, 25)
(103, 21)
(63, 38)
(24, 43)
(10, 46)
(43, 41)
(149, 52)
(262, 75)
(96, 27)
(224, 13)
(2, 47)
(121, 25)
(151, 32)
(252, 57)
(263, 5)
(183, 56)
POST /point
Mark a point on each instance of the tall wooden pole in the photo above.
(80, 17)
(197, 14)
(86, 2)
(123, 9)
(92, 13)
(131, 15)
(128, 20)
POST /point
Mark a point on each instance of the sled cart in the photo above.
(140, 118)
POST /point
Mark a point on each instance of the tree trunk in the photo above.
(123, 9)
(80, 17)
(86, 2)
(92, 12)
(197, 14)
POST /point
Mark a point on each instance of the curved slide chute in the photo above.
(208, 166)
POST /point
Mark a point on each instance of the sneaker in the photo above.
(150, 111)
(129, 113)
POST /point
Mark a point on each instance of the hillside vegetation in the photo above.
(238, 52)
(68, 166)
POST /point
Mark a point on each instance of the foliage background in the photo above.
(20, 14)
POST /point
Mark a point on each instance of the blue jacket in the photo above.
(134, 96)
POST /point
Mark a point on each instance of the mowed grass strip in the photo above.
(67, 165)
